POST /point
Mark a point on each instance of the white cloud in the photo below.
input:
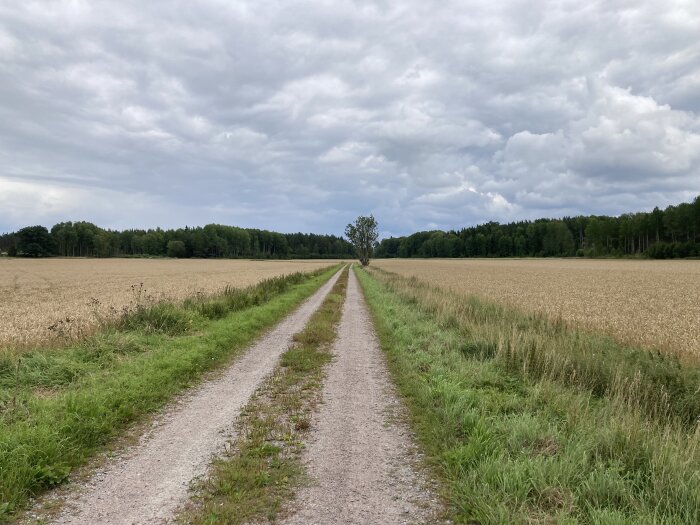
(632, 135)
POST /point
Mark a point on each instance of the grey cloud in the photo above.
(301, 115)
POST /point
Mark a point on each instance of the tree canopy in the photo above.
(363, 236)
(84, 239)
(34, 241)
(673, 232)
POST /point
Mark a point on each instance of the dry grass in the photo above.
(51, 300)
(651, 303)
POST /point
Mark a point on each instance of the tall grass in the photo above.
(536, 347)
(233, 299)
(58, 407)
(526, 421)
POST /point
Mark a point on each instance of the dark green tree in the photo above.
(363, 236)
(557, 240)
(34, 241)
(177, 249)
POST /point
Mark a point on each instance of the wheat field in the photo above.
(44, 300)
(650, 303)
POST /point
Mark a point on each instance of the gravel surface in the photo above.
(361, 457)
(149, 483)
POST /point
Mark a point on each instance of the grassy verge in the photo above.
(536, 347)
(263, 467)
(59, 407)
(520, 435)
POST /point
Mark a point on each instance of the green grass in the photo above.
(515, 439)
(532, 345)
(58, 407)
(260, 473)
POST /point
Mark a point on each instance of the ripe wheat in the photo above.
(650, 303)
(54, 300)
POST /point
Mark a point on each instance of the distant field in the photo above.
(652, 303)
(38, 294)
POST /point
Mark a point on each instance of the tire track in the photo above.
(361, 457)
(153, 479)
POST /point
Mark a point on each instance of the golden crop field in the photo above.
(37, 294)
(651, 303)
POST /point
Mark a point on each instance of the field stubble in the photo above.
(50, 301)
(648, 303)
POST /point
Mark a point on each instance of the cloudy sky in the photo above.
(300, 115)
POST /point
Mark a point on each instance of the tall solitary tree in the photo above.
(363, 236)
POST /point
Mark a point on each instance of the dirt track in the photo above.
(152, 480)
(361, 459)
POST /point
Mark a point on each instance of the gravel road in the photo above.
(149, 483)
(361, 458)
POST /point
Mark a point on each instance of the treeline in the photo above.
(84, 239)
(660, 234)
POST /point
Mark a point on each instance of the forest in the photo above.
(660, 234)
(673, 232)
(84, 239)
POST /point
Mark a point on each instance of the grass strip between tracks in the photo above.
(59, 407)
(511, 446)
(259, 474)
